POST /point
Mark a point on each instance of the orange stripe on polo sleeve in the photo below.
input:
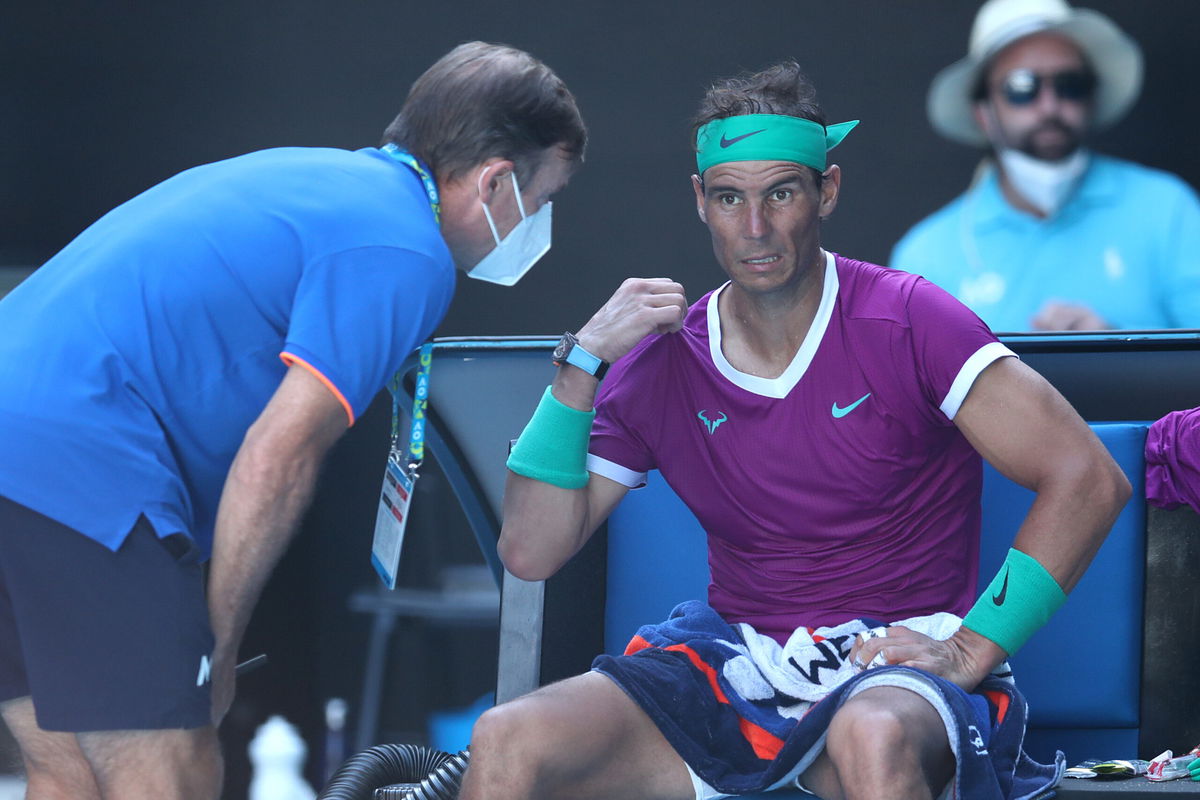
(292, 360)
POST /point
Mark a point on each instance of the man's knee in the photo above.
(501, 742)
(885, 720)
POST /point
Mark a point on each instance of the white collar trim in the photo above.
(781, 386)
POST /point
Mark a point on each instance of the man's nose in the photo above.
(756, 223)
(1047, 100)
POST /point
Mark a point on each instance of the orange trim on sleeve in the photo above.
(291, 359)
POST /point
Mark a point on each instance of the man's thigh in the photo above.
(101, 640)
(592, 741)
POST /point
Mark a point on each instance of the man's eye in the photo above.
(729, 200)
(782, 194)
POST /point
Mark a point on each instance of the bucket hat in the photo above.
(1115, 58)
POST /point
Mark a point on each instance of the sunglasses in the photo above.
(1022, 86)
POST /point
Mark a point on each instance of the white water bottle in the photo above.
(277, 756)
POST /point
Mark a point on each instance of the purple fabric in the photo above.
(815, 518)
(1173, 460)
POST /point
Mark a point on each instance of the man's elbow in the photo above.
(523, 558)
(1107, 485)
(1121, 489)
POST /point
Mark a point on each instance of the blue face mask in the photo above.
(513, 256)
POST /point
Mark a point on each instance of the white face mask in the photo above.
(512, 257)
(1046, 185)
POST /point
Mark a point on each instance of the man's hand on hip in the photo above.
(964, 659)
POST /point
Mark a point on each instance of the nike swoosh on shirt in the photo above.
(998, 599)
(838, 413)
(727, 142)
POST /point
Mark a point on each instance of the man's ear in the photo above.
(985, 118)
(493, 174)
(831, 188)
(698, 188)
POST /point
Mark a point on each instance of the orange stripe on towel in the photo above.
(1000, 700)
(636, 644)
(699, 664)
(765, 744)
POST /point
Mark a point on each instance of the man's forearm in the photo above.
(259, 513)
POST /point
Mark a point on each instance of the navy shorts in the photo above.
(102, 640)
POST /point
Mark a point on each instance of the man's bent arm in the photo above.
(545, 524)
(267, 490)
(1028, 431)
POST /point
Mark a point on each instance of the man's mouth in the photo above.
(760, 260)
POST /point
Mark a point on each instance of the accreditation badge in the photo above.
(390, 521)
(391, 518)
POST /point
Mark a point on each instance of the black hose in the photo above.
(398, 772)
(385, 764)
(444, 781)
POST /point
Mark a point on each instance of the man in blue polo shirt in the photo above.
(1051, 236)
(175, 376)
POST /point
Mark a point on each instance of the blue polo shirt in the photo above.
(1126, 244)
(134, 361)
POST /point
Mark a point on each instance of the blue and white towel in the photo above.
(748, 714)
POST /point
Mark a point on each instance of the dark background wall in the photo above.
(100, 101)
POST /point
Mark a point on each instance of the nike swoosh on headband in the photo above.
(727, 142)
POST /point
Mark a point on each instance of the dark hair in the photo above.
(779, 89)
(482, 100)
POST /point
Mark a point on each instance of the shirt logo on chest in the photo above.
(711, 424)
(838, 413)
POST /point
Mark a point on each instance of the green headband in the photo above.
(767, 137)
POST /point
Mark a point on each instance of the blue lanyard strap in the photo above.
(416, 433)
(423, 172)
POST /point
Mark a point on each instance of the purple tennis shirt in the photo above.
(840, 489)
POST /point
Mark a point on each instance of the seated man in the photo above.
(1051, 235)
(823, 418)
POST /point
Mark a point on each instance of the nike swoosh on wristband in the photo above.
(838, 413)
(998, 599)
(727, 142)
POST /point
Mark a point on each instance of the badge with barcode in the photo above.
(390, 521)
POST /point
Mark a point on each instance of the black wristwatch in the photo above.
(570, 351)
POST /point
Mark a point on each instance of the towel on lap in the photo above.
(748, 714)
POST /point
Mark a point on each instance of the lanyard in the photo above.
(416, 433)
(423, 172)
(416, 436)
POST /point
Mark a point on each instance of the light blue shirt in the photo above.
(1126, 245)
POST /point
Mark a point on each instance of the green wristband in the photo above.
(1018, 601)
(553, 446)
